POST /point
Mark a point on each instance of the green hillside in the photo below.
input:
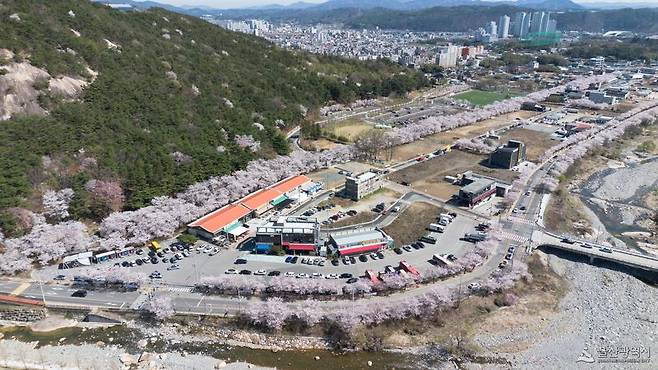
(173, 84)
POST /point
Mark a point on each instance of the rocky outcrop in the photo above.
(22, 83)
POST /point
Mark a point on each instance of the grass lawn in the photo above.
(480, 98)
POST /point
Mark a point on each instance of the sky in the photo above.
(225, 4)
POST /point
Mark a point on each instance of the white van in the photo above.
(436, 228)
(445, 215)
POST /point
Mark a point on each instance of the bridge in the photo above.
(596, 251)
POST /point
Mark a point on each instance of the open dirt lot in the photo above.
(433, 142)
(329, 177)
(429, 176)
(412, 223)
(536, 141)
(349, 129)
(314, 145)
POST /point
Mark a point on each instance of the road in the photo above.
(517, 228)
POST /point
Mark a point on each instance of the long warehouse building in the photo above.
(229, 220)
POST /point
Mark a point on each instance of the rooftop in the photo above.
(358, 236)
(215, 221)
(290, 183)
(477, 185)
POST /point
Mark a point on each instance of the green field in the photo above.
(480, 98)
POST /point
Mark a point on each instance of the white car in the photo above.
(317, 275)
(290, 274)
(331, 276)
(301, 275)
(208, 249)
(260, 272)
(231, 271)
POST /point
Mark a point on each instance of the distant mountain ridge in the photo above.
(357, 4)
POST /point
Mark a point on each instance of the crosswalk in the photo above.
(180, 289)
(520, 220)
(513, 237)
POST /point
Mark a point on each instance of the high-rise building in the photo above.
(518, 22)
(544, 22)
(535, 24)
(448, 57)
(503, 27)
(525, 26)
(552, 26)
(493, 31)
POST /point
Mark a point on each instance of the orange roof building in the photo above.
(259, 199)
(218, 220)
(254, 204)
(290, 184)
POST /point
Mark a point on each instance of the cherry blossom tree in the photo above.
(108, 192)
(247, 141)
(160, 305)
(476, 145)
(56, 203)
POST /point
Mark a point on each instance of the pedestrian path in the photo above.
(180, 289)
(20, 289)
(521, 220)
(513, 237)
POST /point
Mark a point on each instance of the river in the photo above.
(127, 339)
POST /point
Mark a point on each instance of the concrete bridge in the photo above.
(594, 251)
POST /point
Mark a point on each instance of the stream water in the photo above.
(127, 339)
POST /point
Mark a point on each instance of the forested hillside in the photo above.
(170, 100)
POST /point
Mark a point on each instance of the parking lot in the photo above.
(203, 260)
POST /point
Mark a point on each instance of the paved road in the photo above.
(517, 228)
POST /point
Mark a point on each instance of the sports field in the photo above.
(480, 98)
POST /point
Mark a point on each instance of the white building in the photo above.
(448, 57)
(503, 27)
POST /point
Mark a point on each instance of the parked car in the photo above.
(245, 272)
(345, 275)
(346, 261)
(288, 259)
(407, 248)
(397, 250)
(289, 274)
(352, 280)
(352, 260)
(260, 272)
(428, 239)
(59, 277)
(374, 256)
(451, 257)
(331, 276)
(80, 293)
(173, 267)
(363, 258)
(509, 256)
(274, 273)
(240, 261)
(380, 255)
(294, 260)
(231, 271)
(335, 262)
(605, 249)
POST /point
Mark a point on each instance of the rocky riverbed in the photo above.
(602, 310)
(622, 198)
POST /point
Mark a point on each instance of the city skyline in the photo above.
(254, 3)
